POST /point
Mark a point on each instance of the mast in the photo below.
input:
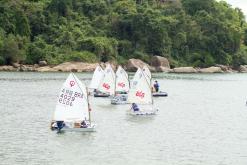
(89, 109)
(115, 84)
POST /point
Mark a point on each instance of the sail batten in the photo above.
(72, 103)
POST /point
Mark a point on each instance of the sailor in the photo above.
(53, 125)
(83, 124)
(135, 107)
(60, 125)
(156, 86)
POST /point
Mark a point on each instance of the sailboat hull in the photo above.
(160, 94)
(69, 129)
(88, 129)
(143, 112)
(101, 95)
(119, 99)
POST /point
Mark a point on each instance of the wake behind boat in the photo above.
(72, 111)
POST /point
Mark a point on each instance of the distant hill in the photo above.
(187, 32)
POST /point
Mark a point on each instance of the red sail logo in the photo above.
(121, 84)
(140, 94)
(71, 83)
(106, 86)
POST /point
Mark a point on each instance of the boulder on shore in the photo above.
(212, 69)
(158, 61)
(26, 68)
(42, 63)
(75, 67)
(133, 64)
(7, 68)
(184, 70)
(45, 69)
(162, 69)
(243, 68)
(16, 65)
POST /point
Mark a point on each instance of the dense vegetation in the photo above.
(188, 32)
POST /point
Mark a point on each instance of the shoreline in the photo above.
(158, 64)
(90, 67)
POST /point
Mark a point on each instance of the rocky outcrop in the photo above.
(184, 70)
(42, 63)
(163, 69)
(45, 69)
(158, 61)
(212, 69)
(223, 67)
(243, 69)
(27, 68)
(7, 68)
(75, 67)
(160, 64)
(16, 65)
(133, 64)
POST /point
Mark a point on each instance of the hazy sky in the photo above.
(242, 4)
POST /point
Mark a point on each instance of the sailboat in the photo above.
(121, 87)
(140, 94)
(107, 84)
(72, 111)
(148, 75)
(96, 79)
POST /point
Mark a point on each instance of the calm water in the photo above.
(203, 121)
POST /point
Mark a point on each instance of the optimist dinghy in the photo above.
(148, 75)
(121, 87)
(140, 95)
(98, 76)
(106, 86)
(72, 111)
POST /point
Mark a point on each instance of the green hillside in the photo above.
(187, 32)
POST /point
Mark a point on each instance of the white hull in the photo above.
(119, 99)
(88, 129)
(160, 94)
(151, 111)
(118, 102)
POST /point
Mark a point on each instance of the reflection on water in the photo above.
(203, 121)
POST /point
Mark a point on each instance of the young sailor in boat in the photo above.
(57, 125)
(83, 124)
(135, 107)
(156, 86)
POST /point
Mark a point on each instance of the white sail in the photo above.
(147, 73)
(122, 80)
(72, 103)
(140, 91)
(107, 84)
(97, 77)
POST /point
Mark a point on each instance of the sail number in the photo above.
(68, 97)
